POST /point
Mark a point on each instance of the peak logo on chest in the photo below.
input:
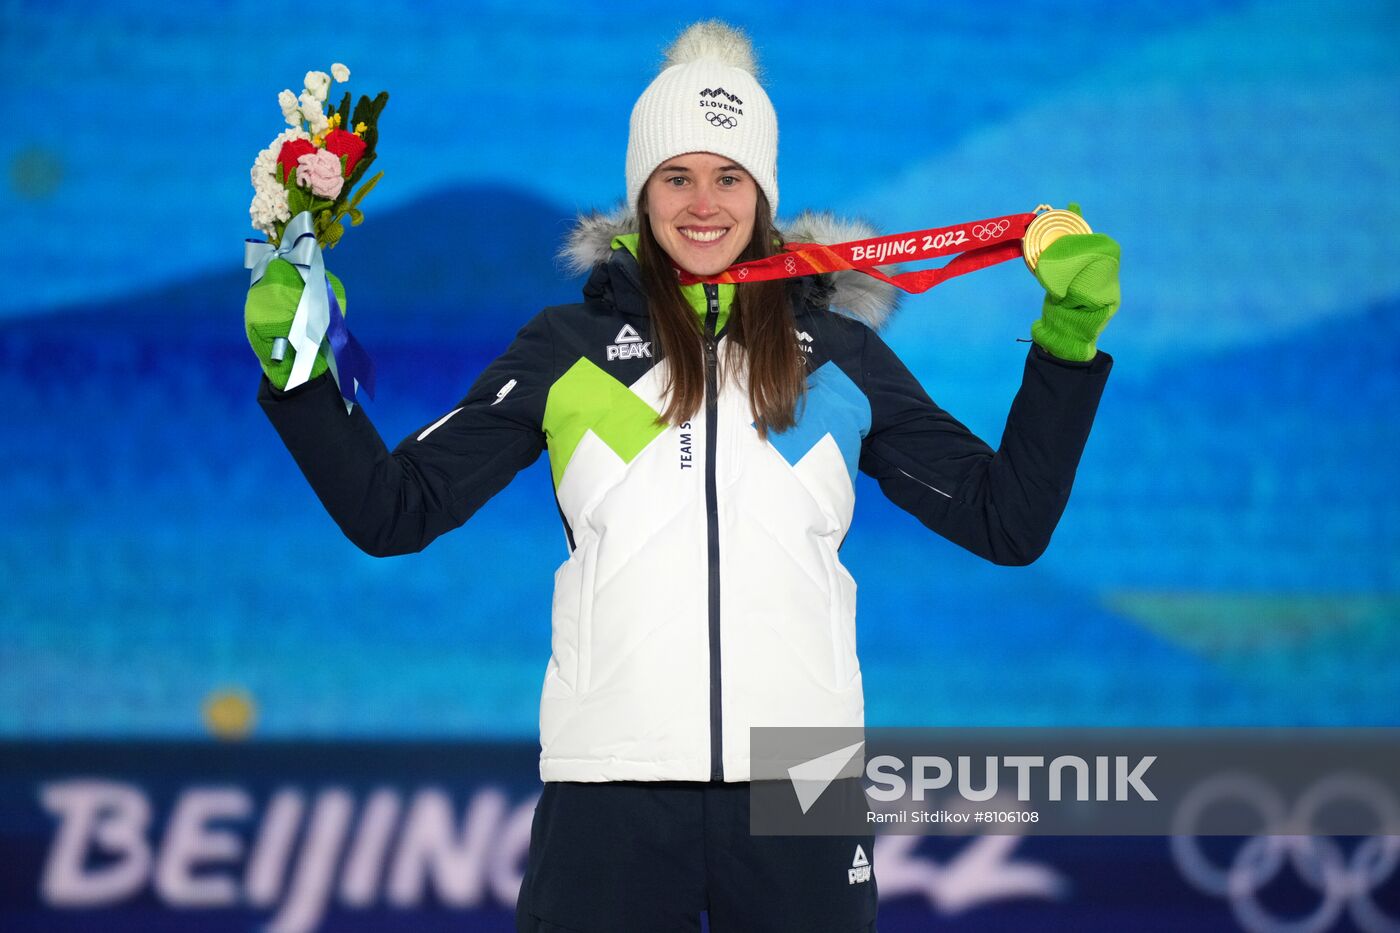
(628, 345)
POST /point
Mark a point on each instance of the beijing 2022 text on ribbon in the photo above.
(975, 245)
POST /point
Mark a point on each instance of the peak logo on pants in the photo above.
(860, 868)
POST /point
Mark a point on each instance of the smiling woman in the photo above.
(700, 207)
(705, 490)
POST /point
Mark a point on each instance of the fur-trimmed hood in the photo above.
(852, 293)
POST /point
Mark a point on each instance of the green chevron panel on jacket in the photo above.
(587, 399)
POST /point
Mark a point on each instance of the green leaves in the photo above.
(365, 189)
(298, 199)
(332, 233)
(333, 228)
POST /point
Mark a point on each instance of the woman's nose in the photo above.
(703, 204)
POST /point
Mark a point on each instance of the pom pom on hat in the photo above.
(713, 41)
(706, 99)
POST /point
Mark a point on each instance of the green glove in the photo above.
(1080, 274)
(268, 313)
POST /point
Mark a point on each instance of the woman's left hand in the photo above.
(1079, 272)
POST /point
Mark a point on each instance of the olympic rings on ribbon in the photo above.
(1317, 860)
(722, 120)
(987, 231)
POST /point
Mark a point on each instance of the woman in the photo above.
(703, 442)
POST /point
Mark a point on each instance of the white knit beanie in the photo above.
(706, 99)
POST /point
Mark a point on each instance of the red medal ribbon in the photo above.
(978, 243)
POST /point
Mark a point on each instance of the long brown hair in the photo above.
(761, 332)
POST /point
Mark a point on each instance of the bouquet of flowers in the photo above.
(315, 165)
(304, 185)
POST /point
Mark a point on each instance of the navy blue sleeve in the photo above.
(397, 502)
(1001, 504)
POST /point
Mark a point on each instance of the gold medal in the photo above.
(1049, 225)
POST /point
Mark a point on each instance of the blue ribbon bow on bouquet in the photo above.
(318, 315)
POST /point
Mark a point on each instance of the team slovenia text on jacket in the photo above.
(704, 593)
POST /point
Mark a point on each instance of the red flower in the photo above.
(292, 150)
(343, 143)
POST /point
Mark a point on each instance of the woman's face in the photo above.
(701, 209)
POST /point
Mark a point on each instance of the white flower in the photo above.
(318, 83)
(288, 101)
(268, 209)
(341, 73)
(316, 119)
(269, 206)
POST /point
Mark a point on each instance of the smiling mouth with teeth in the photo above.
(703, 236)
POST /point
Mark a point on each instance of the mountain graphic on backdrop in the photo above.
(464, 260)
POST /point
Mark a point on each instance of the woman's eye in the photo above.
(729, 180)
(675, 181)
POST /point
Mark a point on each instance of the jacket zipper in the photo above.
(712, 532)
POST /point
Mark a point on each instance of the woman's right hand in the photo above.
(268, 313)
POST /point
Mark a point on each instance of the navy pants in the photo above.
(649, 856)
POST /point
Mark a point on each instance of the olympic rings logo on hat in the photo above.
(722, 120)
(1345, 884)
(987, 231)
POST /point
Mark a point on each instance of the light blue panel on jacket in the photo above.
(834, 405)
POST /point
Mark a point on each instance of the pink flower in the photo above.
(320, 171)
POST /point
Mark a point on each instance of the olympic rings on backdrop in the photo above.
(1317, 860)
